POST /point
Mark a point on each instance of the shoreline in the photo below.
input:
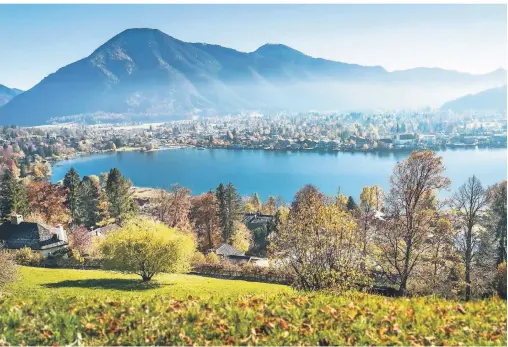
(53, 162)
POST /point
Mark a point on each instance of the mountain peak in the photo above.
(276, 49)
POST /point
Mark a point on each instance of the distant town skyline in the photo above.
(37, 40)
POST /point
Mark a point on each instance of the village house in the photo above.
(45, 240)
(235, 256)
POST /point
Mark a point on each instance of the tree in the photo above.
(370, 202)
(497, 213)
(71, 182)
(253, 204)
(41, 171)
(318, 243)
(103, 218)
(13, 196)
(351, 204)
(204, 216)
(241, 239)
(230, 210)
(48, 200)
(119, 195)
(80, 239)
(412, 208)
(469, 203)
(146, 248)
(172, 207)
(270, 207)
(88, 202)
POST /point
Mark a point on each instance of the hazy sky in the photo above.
(36, 40)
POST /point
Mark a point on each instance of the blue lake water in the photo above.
(278, 173)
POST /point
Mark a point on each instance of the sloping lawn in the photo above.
(57, 307)
(97, 283)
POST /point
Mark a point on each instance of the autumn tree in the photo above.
(270, 207)
(242, 238)
(119, 195)
(71, 182)
(48, 201)
(412, 207)
(469, 203)
(41, 170)
(371, 200)
(318, 243)
(80, 239)
(204, 216)
(146, 248)
(253, 204)
(172, 207)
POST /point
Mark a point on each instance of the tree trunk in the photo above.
(468, 264)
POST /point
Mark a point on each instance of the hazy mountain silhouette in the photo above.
(146, 74)
(493, 99)
(6, 94)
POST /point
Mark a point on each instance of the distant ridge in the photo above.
(6, 94)
(144, 74)
(493, 99)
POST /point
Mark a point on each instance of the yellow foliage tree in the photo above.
(145, 248)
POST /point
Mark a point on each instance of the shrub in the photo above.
(9, 268)
(25, 256)
(145, 248)
(212, 258)
(198, 258)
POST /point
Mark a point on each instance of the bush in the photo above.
(25, 256)
(212, 258)
(9, 268)
(145, 248)
(198, 258)
(247, 271)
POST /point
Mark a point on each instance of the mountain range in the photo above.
(145, 74)
(493, 99)
(6, 94)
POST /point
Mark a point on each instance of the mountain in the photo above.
(145, 74)
(6, 94)
(493, 99)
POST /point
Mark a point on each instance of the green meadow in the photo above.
(86, 307)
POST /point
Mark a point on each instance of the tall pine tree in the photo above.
(72, 182)
(14, 197)
(88, 202)
(119, 195)
(230, 210)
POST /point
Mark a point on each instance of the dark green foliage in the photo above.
(230, 210)
(13, 196)
(71, 182)
(119, 195)
(499, 214)
(351, 204)
(88, 202)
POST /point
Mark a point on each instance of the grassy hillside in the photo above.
(100, 308)
(67, 283)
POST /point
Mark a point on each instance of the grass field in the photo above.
(68, 283)
(56, 307)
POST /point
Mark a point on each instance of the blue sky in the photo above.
(36, 40)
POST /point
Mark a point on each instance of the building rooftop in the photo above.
(28, 234)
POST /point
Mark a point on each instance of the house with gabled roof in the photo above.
(46, 240)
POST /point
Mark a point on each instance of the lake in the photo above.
(278, 173)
